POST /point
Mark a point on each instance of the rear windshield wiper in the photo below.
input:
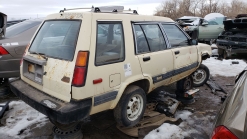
(40, 54)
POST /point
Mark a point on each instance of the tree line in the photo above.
(178, 8)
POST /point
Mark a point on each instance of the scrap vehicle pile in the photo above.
(234, 39)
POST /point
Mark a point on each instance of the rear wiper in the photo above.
(40, 54)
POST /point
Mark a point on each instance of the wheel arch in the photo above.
(144, 83)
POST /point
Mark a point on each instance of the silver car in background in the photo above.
(231, 121)
(13, 45)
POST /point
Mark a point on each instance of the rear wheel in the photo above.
(185, 84)
(131, 106)
(200, 76)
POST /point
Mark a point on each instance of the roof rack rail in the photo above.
(105, 9)
(75, 9)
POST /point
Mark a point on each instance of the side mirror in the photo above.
(193, 42)
(204, 24)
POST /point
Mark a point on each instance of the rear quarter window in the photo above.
(110, 43)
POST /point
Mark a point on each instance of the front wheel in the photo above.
(130, 108)
(200, 76)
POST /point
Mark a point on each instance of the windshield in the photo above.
(21, 27)
(57, 39)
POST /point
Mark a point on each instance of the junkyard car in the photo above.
(13, 45)
(234, 39)
(83, 63)
(231, 121)
(204, 29)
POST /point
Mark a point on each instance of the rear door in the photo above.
(184, 54)
(3, 23)
(50, 61)
(154, 56)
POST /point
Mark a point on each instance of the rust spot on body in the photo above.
(65, 79)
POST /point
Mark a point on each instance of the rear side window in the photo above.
(110, 43)
(20, 27)
(175, 36)
(149, 38)
(57, 39)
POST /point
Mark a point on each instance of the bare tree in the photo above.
(178, 8)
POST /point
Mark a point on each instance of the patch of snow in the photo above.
(170, 131)
(184, 115)
(224, 67)
(215, 52)
(166, 131)
(19, 117)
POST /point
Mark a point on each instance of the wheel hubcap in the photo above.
(135, 107)
(199, 76)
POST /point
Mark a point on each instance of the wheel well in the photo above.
(205, 56)
(144, 84)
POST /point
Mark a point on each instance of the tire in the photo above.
(220, 52)
(130, 108)
(185, 84)
(200, 76)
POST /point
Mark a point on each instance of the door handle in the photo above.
(177, 52)
(146, 58)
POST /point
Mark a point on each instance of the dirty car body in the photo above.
(234, 39)
(83, 63)
(13, 45)
(231, 121)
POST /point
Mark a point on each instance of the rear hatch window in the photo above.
(57, 39)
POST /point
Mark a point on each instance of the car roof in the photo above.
(105, 12)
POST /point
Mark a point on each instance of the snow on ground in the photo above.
(19, 118)
(170, 131)
(224, 67)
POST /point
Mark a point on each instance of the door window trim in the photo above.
(175, 24)
(148, 23)
(123, 37)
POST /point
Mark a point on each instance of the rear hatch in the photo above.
(3, 22)
(49, 64)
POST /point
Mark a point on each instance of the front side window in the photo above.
(57, 39)
(110, 43)
(149, 38)
(175, 36)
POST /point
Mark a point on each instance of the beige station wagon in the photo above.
(82, 63)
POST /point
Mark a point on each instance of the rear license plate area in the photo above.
(33, 69)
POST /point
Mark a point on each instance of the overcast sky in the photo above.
(17, 9)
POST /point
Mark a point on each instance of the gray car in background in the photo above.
(231, 121)
(13, 45)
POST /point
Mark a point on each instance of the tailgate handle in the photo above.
(146, 58)
(177, 52)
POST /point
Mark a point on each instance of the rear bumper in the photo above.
(54, 109)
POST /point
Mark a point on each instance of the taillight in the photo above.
(80, 71)
(3, 51)
(222, 132)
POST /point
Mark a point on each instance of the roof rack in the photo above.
(104, 9)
